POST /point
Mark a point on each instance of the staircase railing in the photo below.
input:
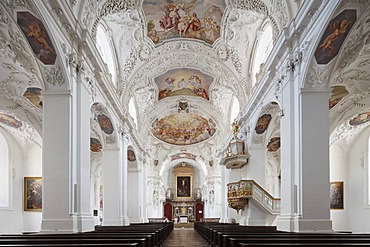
(239, 193)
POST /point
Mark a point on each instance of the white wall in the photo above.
(26, 161)
(358, 215)
(349, 163)
(338, 172)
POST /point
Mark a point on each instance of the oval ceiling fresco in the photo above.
(183, 129)
(186, 19)
(360, 119)
(189, 82)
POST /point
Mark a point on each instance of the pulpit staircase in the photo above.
(247, 194)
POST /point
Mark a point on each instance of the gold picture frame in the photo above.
(32, 194)
(184, 188)
(336, 195)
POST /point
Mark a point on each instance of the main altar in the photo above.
(182, 206)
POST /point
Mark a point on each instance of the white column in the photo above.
(83, 220)
(225, 179)
(111, 186)
(57, 162)
(143, 192)
(289, 123)
(314, 161)
(123, 188)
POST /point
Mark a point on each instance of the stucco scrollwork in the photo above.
(318, 77)
(54, 76)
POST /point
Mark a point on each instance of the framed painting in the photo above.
(32, 193)
(183, 187)
(336, 195)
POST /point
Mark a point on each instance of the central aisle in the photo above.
(181, 237)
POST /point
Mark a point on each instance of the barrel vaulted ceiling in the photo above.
(185, 63)
(180, 64)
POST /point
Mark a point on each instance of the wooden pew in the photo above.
(147, 235)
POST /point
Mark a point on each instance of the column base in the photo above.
(287, 223)
(125, 221)
(244, 221)
(83, 223)
(309, 225)
(53, 226)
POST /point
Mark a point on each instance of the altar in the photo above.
(184, 219)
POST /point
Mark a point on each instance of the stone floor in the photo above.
(184, 237)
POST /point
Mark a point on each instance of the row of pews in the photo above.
(232, 235)
(138, 235)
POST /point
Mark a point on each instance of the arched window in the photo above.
(132, 109)
(367, 180)
(234, 109)
(5, 173)
(105, 50)
(262, 50)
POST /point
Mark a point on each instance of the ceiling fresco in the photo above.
(360, 119)
(274, 144)
(33, 94)
(334, 35)
(337, 94)
(183, 129)
(105, 124)
(189, 82)
(95, 145)
(10, 120)
(262, 123)
(183, 156)
(37, 37)
(186, 19)
(131, 155)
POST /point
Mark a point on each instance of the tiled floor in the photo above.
(184, 237)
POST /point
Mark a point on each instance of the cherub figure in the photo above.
(339, 29)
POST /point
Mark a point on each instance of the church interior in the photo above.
(130, 112)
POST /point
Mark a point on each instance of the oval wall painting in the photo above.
(183, 129)
(274, 144)
(262, 123)
(95, 145)
(10, 120)
(360, 119)
(105, 124)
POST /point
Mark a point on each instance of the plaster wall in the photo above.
(23, 163)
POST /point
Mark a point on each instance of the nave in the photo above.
(183, 237)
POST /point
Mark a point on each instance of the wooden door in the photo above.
(168, 211)
(199, 211)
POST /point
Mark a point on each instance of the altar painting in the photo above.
(183, 129)
(183, 186)
(186, 19)
(32, 193)
(336, 195)
(189, 82)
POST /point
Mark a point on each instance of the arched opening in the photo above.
(5, 173)
(132, 110)
(105, 50)
(262, 50)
